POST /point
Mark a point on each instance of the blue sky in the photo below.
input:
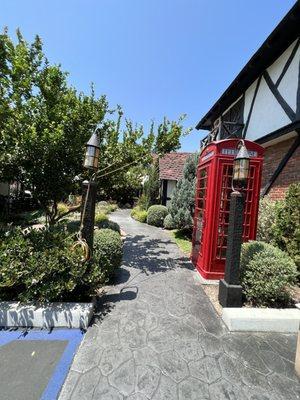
(154, 57)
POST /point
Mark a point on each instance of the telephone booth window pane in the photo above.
(200, 211)
(225, 207)
(224, 211)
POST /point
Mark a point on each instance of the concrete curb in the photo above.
(49, 315)
(262, 319)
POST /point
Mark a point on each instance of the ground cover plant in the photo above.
(138, 214)
(267, 274)
(183, 240)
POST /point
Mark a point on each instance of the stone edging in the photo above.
(262, 319)
(49, 315)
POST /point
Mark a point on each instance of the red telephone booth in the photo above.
(212, 201)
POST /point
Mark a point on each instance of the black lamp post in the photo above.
(89, 192)
(230, 290)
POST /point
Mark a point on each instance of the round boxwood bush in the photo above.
(108, 250)
(156, 215)
(266, 274)
(169, 222)
(107, 224)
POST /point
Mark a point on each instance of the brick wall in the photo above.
(290, 173)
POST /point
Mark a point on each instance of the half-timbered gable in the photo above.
(263, 104)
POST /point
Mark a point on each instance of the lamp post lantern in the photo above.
(241, 166)
(89, 192)
(91, 159)
(230, 290)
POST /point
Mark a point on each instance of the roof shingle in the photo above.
(171, 166)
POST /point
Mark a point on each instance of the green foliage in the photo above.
(138, 214)
(168, 136)
(268, 220)
(151, 187)
(266, 274)
(288, 224)
(108, 251)
(100, 217)
(169, 222)
(62, 208)
(156, 215)
(43, 266)
(183, 198)
(142, 202)
(183, 240)
(279, 223)
(107, 224)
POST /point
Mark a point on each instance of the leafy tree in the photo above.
(168, 136)
(151, 187)
(44, 125)
(183, 199)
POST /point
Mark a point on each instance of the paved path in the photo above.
(156, 336)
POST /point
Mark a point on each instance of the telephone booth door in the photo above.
(212, 203)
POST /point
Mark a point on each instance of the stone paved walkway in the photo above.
(156, 336)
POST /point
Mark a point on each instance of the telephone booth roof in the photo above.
(228, 147)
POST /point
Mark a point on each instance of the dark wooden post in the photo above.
(230, 290)
(88, 212)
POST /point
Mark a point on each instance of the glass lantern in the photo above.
(91, 159)
(241, 167)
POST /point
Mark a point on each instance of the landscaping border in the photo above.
(49, 315)
(262, 319)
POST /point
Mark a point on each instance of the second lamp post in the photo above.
(230, 289)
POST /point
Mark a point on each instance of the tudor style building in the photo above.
(262, 104)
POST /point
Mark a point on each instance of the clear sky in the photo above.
(153, 57)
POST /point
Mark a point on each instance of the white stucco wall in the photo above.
(267, 114)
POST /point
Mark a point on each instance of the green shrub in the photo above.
(106, 224)
(288, 224)
(62, 208)
(142, 202)
(169, 222)
(138, 214)
(44, 266)
(156, 215)
(266, 274)
(183, 197)
(100, 217)
(268, 220)
(108, 251)
(112, 207)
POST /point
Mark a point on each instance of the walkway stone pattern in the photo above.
(156, 336)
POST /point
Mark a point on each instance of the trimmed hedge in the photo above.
(169, 222)
(43, 266)
(266, 274)
(138, 214)
(156, 215)
(108, 251)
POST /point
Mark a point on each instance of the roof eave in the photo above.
(268, 52)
